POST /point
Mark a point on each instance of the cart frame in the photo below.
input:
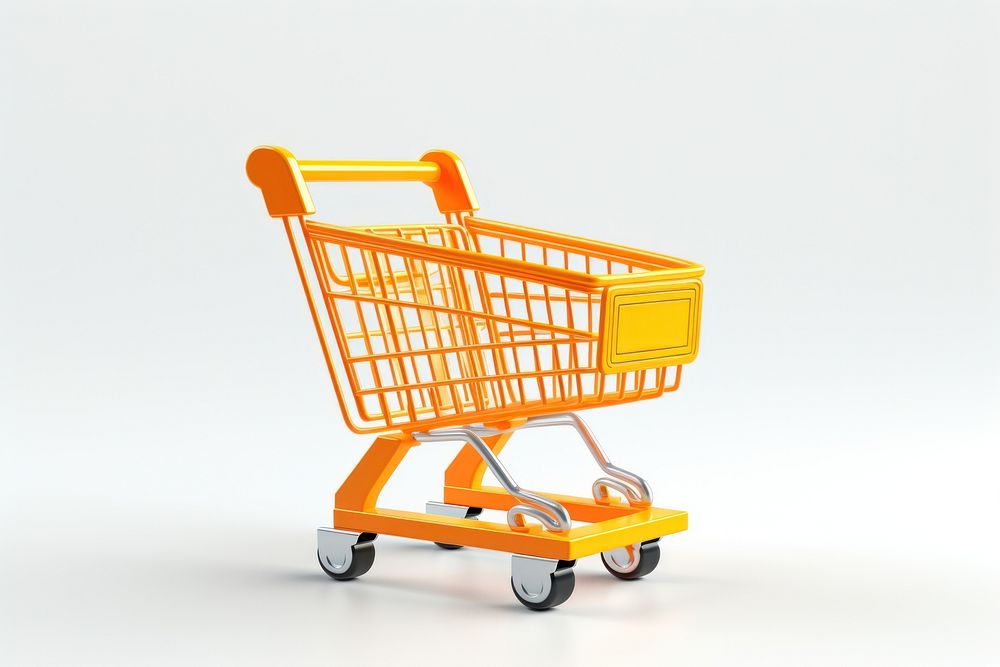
(481, 400)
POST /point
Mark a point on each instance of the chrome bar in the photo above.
(638, 494)
(552, 515)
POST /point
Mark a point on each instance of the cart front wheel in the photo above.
(541, 583)
(633, 561)
(345, 555)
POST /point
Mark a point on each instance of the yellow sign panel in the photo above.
(650, 326)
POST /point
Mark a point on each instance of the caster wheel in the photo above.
(345, 556)
(457, 511)
(633, 561)
(448, 547)
(540, 583)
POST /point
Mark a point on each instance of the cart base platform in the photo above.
(621, 526)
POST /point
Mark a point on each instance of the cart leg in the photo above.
(346, 554)
(362, 487)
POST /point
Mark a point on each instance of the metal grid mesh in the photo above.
(426, 340)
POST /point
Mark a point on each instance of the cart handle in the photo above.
(369, 170)
(282, 178)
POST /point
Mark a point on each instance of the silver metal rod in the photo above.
(641, 492)
(553, 515)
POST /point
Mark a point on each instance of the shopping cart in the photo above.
(469, 331)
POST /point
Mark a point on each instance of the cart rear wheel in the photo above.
(634, 561)
(345, 555)
(540, 584)
(458, 511)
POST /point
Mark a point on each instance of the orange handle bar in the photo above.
(282, 178)
(369, 170)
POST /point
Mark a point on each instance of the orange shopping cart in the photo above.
(468, 331)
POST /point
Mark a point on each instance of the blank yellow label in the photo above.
(650, 326)
(653, 326)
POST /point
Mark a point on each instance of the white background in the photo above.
(169, 439)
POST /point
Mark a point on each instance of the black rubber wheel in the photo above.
(649, 558)
(362, 559)
(471, 513)
(449, 547)
(563, 582)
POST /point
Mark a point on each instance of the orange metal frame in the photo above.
(455, 324)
